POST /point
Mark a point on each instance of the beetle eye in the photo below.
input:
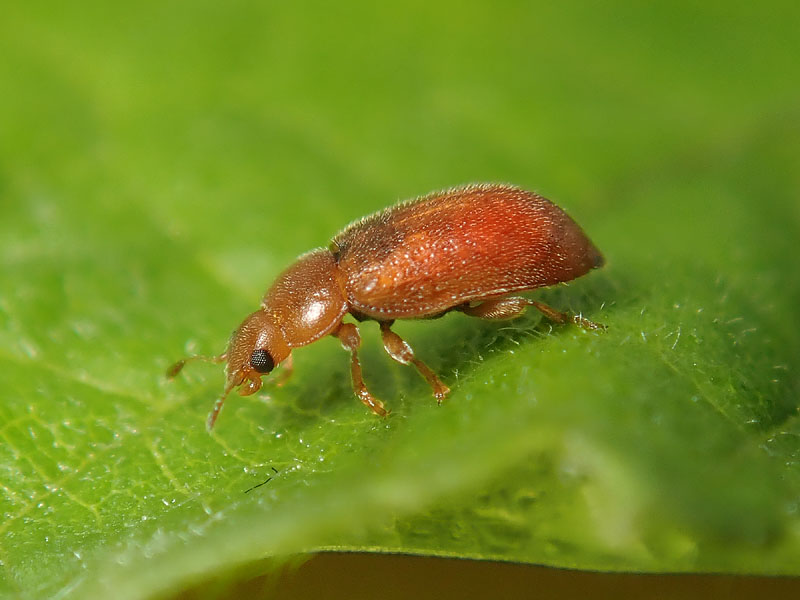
(261, 361)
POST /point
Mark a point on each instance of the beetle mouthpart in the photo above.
(212, 416)
(250, 385)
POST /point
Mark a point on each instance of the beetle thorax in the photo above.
(306, 301)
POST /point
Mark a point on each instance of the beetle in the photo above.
(468, 249)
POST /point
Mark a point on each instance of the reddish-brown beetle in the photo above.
(463, 249)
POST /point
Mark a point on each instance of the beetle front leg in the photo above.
(351, 340)
(399, 350)
(288, 368)
(510, 308)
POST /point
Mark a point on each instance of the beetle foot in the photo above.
(440, 391)
(587, 324)
(375, 405)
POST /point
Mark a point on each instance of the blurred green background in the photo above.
(161, 162)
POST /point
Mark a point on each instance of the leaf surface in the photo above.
(159, 164)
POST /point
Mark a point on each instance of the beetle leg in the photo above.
(564, 317)
(497, 308)
(350, 338)
(400, 351)
(286, 373)
(510, 308)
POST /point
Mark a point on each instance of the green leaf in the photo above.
(161, 163)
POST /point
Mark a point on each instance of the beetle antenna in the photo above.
(212, 416)
(176, 368)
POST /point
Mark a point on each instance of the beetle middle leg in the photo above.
(351, 340)
(514, 306)
(399, 350)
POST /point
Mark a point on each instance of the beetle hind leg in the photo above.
(565, 317)
(514, 306)
(497, 309)
(399, 350)
(351, 340)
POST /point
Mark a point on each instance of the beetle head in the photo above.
(255, 348)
